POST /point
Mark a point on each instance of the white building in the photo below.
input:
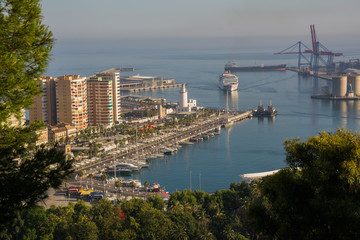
(185, 105)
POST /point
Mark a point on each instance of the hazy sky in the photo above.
(129, 19)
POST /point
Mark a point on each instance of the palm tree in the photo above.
(103, 178)
(91, 176)
(80, 174)
(133, 185)
(146, 185)
(118, 185)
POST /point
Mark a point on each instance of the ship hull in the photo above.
(228, 82)
(281, 67)
(229, 88)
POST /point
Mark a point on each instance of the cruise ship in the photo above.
(228, 81)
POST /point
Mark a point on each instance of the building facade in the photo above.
(44, 106)
(71, 100)
(113, 75)
(100, 101)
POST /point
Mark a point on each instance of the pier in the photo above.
(309, 73)
(137, 87)
(256, 176)
(167, 139)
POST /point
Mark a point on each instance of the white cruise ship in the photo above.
(228, 81)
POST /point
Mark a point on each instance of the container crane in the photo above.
(297, 48)
(317, 52)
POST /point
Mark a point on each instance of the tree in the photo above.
(318, 197)
(133, 185)
(146, 185)
(24, 184)
(25, 173)
(118, 185)
(25, 47)
(103, 178)
(91, 176)
(80, 175)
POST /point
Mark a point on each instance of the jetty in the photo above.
(255, 176)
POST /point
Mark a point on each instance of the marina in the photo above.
(248, 146)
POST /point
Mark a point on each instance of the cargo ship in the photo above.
(233, 67)
(228, 81)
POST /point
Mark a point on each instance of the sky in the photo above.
(249, 20)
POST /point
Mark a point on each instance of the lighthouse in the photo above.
(183, 101)
(185, 104)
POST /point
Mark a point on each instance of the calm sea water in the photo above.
(252, 145)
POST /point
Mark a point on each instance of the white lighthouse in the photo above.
(183, 101)
(185, 104)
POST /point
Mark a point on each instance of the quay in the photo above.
(256, 176)
(308, 73)
(129, 87)
(167, 139)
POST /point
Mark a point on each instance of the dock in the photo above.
(259, 175)
(321, 75)
(171, 137)
(136, 87)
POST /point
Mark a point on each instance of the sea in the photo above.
(252, 145)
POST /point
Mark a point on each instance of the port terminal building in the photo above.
(136, 82)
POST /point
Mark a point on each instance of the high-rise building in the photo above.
(113, 74)
(100, 101)
(44, 106)
(71, 100)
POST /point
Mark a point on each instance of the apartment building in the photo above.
(44, 106)
(100, 100)
(71, 100)
(113, 74)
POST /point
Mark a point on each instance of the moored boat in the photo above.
(262, 112)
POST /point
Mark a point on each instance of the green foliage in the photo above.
(320, 200)
(156, 202)
(135, 219)
(26, 173)
(25, 48)
(24, 184)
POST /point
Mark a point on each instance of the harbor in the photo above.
(158, 144)
(246, 147)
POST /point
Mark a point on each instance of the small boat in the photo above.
(166, 151)
(186, 143)
(118, 170)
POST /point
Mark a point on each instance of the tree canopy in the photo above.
(25, 45)
(318, 197)
(26, 172)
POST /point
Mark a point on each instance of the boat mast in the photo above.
(114, 167)
(137, 150)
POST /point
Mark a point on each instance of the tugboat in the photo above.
(262, 112)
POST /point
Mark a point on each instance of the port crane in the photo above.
(318, 53)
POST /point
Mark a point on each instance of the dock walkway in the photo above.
(255, 176)
(171, 137)
(131, 88)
